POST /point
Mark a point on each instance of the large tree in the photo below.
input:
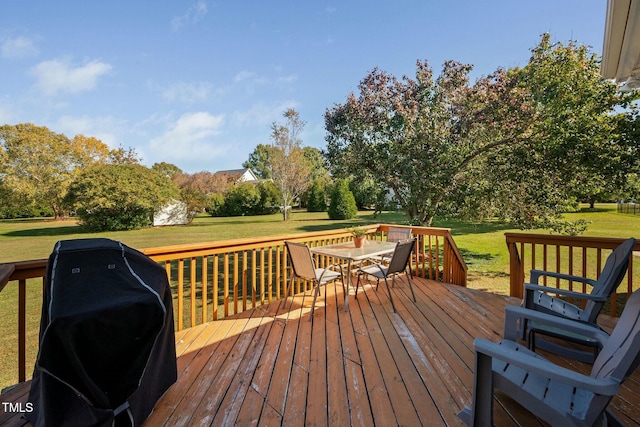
(629, 146)
(288, 166)
(259, 162)
(577, 118)
(38, 164)
(505, 145)
(417, 136)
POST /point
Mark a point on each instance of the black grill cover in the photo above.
(107, 347)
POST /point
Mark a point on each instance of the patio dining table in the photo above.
(348, 252)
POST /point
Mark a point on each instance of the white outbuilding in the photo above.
(173, 213)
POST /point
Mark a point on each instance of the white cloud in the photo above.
(104, 128)
(243, 76)
(261, 114)
(59, 75)
(188, 93)
(190, 139)
(288, 79)
(17, 48)
(250, 81)
(194, 14)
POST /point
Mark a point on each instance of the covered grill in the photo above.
(107, 346)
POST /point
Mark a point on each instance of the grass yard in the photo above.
(482, 245)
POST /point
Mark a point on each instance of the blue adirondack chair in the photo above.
(543, 298)
(555, 394)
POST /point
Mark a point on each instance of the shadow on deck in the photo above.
(273, 366)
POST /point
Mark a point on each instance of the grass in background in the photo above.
(485, 250)
(482, 245)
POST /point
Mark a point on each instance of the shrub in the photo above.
(343, 204)
(111, 197)
(215, 204)
(316, 197)
(269, 198)
(241, 199)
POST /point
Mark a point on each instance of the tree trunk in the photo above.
(285, 211)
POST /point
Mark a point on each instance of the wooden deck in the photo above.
(273, 366)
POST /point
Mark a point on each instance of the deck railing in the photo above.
(629, 208)
(218, 279)
(578, 256)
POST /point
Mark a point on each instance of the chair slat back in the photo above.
(401, 256)
(620, 356)
(396, 234)
(610, 278)
(301, 260)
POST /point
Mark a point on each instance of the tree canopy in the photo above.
(259, 162)
(119, 196)
(513, 144)
(36, 164)
(288, 166)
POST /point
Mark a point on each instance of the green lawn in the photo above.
(482, 245)
(22, 239)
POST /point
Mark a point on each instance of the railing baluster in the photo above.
(225, 283)
(22, 330)
(192, 278)
(545, 262)
(243, 275)
(205, 284)
(558, 258)
(270, 275)
(584, 268)
(570, 249)
(215, 288)
(180, 292)
(236, 281)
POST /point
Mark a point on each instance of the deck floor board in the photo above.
(275, 366)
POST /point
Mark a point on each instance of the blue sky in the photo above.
(198, 83)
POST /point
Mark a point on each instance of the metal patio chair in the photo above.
(399, 264)
(395, 234)
(557, 395)
(303, 267)
(542, 298)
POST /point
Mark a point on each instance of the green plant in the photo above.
(114, 197)
(241, 199)
(316, 197)
(358, 231)
(343, 204)
(215, 205)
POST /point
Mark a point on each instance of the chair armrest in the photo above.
(541, 366)
(528, 287)
(536, 274)
(329, 267)
(373, 264)
(513, 314)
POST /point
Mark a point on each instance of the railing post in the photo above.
(22, 330)
(516, 267)
(446, 261)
